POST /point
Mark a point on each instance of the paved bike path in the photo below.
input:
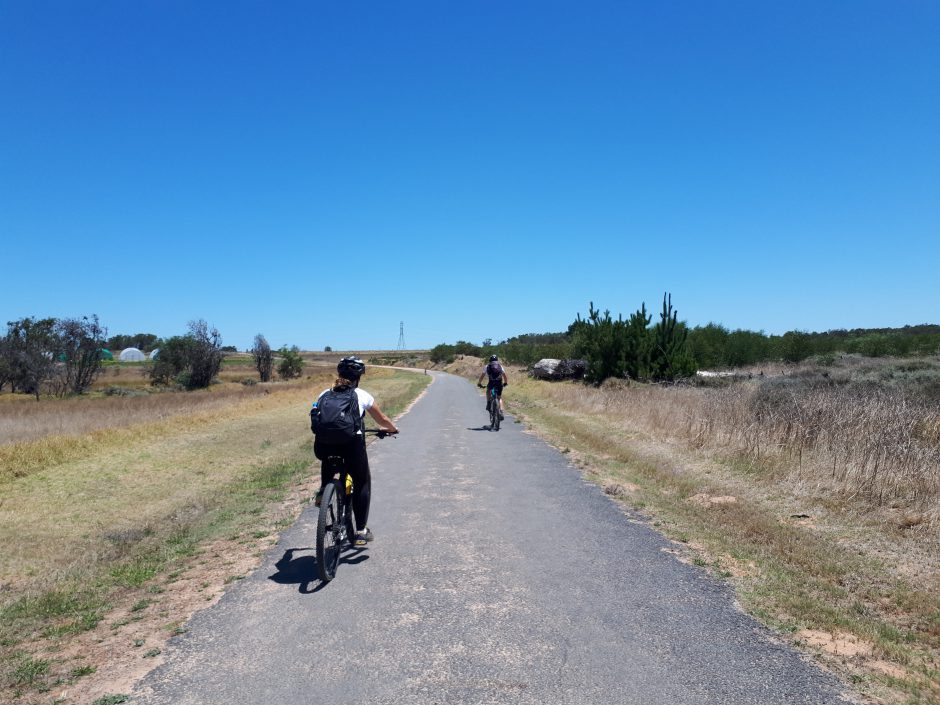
(497, 576)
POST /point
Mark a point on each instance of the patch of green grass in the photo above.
(85, 623)
(140, 605)
(80, 671)
(182, 544)
(175, 628)
(152, 652)
(111, 700)
(26, 670)
(136, 572)
(45, 612)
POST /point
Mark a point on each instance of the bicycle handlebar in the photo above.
(379, 432)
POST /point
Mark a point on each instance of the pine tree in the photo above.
(671, 357)
(637, 345)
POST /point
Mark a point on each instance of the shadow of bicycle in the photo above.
(302, 570)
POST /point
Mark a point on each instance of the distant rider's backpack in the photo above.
(336, 418)
(494, 371)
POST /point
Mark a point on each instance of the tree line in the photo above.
(668, 349)
(65, 356)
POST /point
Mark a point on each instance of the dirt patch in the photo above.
(616, 489)
(889, 669)
(839, 644)
(707, 500)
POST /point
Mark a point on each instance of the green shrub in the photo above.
(291, 365)
(191, 360)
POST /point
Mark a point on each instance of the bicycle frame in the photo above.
(494, 409)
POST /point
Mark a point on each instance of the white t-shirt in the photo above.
(366, 401)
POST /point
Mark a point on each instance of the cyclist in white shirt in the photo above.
(349, 370)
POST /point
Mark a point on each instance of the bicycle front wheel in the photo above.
(329, 532)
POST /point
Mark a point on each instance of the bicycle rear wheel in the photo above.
(329, 533)
(494, 413)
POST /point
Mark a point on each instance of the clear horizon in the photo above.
(318, 172)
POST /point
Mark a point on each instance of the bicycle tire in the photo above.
(494, 413)
(328, 533)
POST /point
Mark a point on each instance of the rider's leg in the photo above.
(358, 463)
(326, 475)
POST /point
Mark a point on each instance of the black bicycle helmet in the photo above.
(351, 368)
(493, 358)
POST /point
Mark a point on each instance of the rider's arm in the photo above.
(381, 419)
(505, 378)
(482, 375)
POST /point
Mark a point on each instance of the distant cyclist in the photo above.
(496, 375)
(353, 451)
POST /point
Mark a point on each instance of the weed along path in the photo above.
(497, 576)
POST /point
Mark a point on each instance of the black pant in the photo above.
(357, 463)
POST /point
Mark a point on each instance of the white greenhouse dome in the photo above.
(132, 355)
(154, 353)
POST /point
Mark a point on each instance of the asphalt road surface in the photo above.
(497, 576)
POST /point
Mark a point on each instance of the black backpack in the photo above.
(336, 418)
(494, 371)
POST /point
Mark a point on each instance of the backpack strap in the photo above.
(359, 413)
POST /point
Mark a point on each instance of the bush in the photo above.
(28, 351)
(618, 348)
(291, 365)
(191, 360)
(79, 343)
(264, 358)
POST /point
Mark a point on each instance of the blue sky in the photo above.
(318, 172)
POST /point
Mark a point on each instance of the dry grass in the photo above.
(54, 431)
(734, 473)
(80, 415)
(876, 444)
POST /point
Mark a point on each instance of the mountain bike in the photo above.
(336, 527)
(494, 409)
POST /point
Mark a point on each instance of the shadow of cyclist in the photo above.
(302, 570)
